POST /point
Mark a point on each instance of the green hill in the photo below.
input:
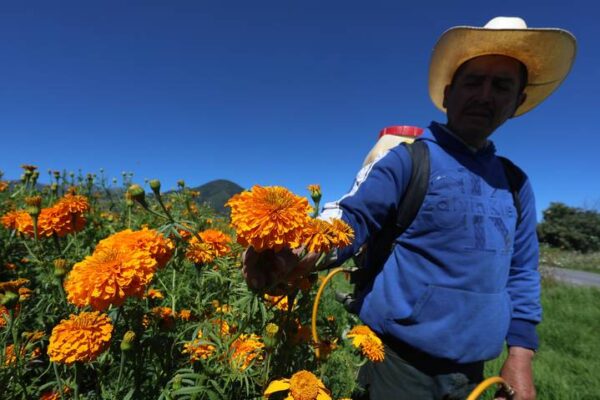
(217, 192)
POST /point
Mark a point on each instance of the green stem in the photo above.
(57, 244)
(156, 213)
(58, 381)
(76, 389)
(121, 367)
(159, 198)
(173, 298)
(316, 211)
(33, 257)
(35, 229)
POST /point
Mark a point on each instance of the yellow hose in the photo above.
(483, 386)
(478, 391)
(316, 308)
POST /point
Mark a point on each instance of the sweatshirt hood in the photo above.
(440, 134)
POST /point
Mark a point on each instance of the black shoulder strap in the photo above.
(516, 179)
(417, 186)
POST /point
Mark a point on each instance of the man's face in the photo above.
(485, 92)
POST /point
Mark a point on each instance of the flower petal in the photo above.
(277, 386)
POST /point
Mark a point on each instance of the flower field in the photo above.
(142, 295)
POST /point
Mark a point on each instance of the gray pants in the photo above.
(397, 379)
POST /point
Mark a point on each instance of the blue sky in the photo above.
(266, 92)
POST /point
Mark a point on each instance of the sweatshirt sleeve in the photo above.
(524, 278)
(372, 200)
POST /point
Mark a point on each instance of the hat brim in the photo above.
(547, 53)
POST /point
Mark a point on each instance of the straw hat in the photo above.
(548, 54)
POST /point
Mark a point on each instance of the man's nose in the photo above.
(485, 91)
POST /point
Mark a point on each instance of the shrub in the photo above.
(570, 228)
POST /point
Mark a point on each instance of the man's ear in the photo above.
(446, 92)
(520, 101)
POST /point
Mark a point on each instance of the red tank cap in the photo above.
(401, 130)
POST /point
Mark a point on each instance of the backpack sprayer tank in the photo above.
(390, 137)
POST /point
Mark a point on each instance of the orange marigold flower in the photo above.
(245, 349)
(4, 316)
(109, 276)
(342, 233)
(28, 339)
(155, 294)
(24, 293)
(3, 186)
(9, 354)
(160, 248)
(269, 218)
(199, 349)
(185, 235)
(19, 220)
(165, 316)
(14, 285)
(221, 308)
(31, 337)
(321, 236)
(367, 341)
(224, 327)
(163, 312)
(74, 204)
(303, 385)
(185, 315)
(64, 217)
(80, 338)
(279, 302)
(55, 394)
(213, 243)
(58, 220)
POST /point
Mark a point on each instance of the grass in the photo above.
(570, 259)
(567, 365)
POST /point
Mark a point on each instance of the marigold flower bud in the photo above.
(271, 329)
(155, 186)
(28, 167)
(34, 212)
(60, 267)
(127, 342)
(137, 193)
(34, 201)
(128, 200)
(315, 192)
(9, 299)
(181, 183)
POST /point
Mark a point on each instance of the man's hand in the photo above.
(518, 373)
(275, 272)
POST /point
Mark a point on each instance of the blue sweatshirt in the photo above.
(463, 277)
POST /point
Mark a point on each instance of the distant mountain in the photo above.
(214, 193)
(217, 192)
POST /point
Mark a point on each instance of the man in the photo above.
(462, 278)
